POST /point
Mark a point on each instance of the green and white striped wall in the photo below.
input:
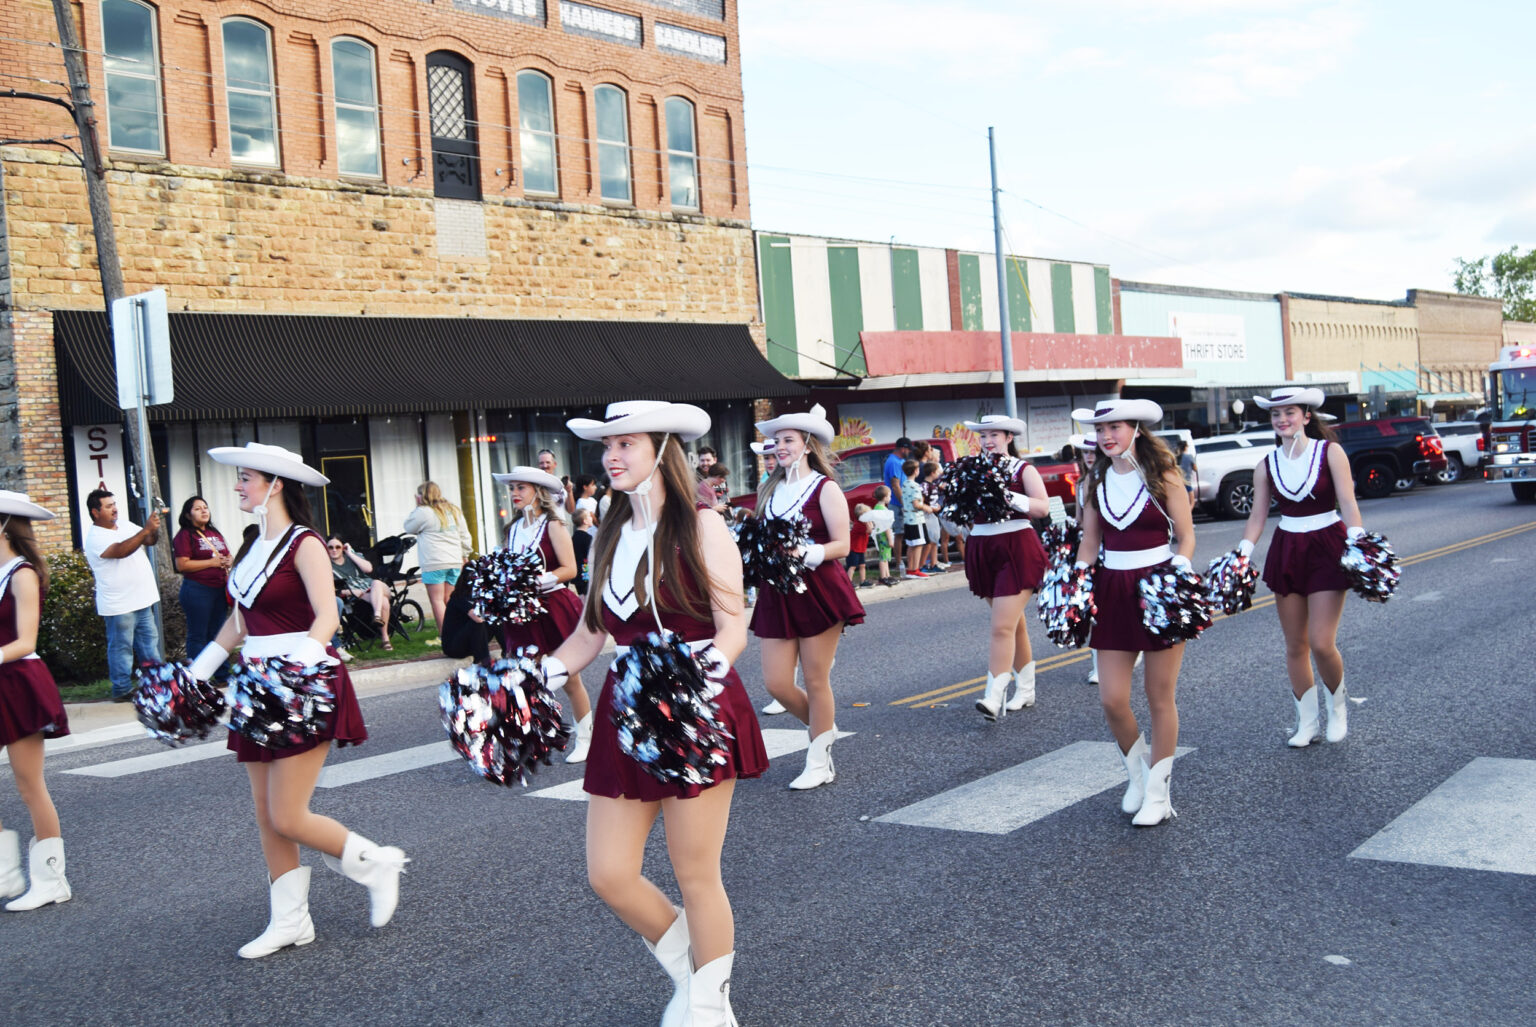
(818, 294)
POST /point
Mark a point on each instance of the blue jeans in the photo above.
(206, 612)
(129, 635)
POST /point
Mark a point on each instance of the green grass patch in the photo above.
(423, 645)
(93, 691)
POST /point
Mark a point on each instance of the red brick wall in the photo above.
(43, 445)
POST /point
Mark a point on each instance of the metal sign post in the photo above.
(1009, 393)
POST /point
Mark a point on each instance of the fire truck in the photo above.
(1512, 432)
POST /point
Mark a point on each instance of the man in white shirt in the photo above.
(127, 596)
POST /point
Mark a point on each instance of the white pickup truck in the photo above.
(1463, 441)
(1225, 465)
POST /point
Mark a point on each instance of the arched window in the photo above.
(131, 57)
(451, 107)
(250, 93)
(612, 143)
(357, 108)
(536, 125)
(682, 154)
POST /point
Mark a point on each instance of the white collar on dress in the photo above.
(1122, 497)
(619, 590)
(251, 574)
(796, 493)
(1296, 477)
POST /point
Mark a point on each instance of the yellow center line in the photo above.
(960, 689)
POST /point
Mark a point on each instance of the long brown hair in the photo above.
(816, 458)
(677, 544)
(294, 500)
(1152, 456)
(19, 531)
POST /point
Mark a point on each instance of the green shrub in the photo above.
(71, 637)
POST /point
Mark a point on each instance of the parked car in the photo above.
(1466, 446)
(1390, 450)
(1224, 467)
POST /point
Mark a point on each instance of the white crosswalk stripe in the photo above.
(352, 772)
(1007, 800)
(155, 760)
(1483, 817)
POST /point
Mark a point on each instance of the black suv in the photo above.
(1388, 450)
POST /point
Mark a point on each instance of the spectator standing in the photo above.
(880, 521)
(549, 465)
(890, 477)
(912, 513)
(585, 489)
(442, 545)
(581, 541)
(707, 459)
(858, 545)
(202, 559)
(713, 489)
(1187, 470)
(460, 633)
(351, 571)
(127, 596)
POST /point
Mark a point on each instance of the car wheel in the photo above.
(1453, 470)
(1376, 480)
(1525, 491)
(1236, 496)
(1404, 484)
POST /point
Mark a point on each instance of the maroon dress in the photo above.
(29, 699)
(1304, 562)
(1008, 563)
(612, 774)
(562, 607)
(279, 608)
(828, 599)
(1141, 526)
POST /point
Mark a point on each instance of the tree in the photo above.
(1509, 276)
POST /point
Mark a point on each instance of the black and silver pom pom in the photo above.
(665, 711)
(280, 703)
(1372, 567)
(504, 586)
(1174, 607)
(1230, 581)
(772, 552)
(174, 706)
(502, 719)
(1066, 605)
(1061, 542)
(976, 489)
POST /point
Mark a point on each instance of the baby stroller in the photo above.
(405, 613)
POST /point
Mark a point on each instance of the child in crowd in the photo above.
(913, 510)
(928, 481)
(880, 520)
(581, 541)
(858, 545)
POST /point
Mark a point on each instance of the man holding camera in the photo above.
(127, 595)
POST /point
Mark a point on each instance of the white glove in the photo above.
(1354, 532)
(1180, 563)
(310, 653)
(715, 665)
(1245, 548)
(548, 582)
(813, 554)
(2, 655)
(1019, 502)
(209, 661)
(555, 674)
(1079, 565)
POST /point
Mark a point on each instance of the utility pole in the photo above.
(1002, 284)
(83, 110)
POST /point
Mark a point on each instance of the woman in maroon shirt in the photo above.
(203, 560)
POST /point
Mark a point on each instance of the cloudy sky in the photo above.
(1351, 147)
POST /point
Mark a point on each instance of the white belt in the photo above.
(1136, 559)
(262, 647)
(1001, 527)
(1313, 523)
(620, 651)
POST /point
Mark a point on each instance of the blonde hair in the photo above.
(432, 496)
(816, 458)
(543, 503)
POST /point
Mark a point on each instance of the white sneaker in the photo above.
(942, 566)
(774, 708)
(346, 657)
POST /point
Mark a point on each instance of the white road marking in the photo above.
(1503, 559)
(1338, 960)
(1429, 597)
(1007, 800)
(155, 760)
(110, 735)
(398, 762)
(777, 741)
(1483, 817)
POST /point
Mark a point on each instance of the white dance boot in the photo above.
(818, 763)
(290, 923)
(578, 753)
(1136, 770)
(1157, 806)
(774, 708)
(375, 867)
(1307, 729)
(12, 880)
(993, 703)
(1093, 675)
(1338, 714)
(671, 951)
(45, 865)
(1023, 688)
(709, 995)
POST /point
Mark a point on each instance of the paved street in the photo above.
(1387, 880)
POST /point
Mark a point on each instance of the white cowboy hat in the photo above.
(1083, 443)
(812, 422)
(274, 460)
(998, 422)
(1291, 396)
(533, 476)
(764, 448)
(640, 416)
(1134, 411)
(19, 504)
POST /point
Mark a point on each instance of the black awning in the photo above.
(251, 366)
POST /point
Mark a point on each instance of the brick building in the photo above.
(327, 192)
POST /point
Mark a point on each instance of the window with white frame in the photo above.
(536, 126)
(682, 154)
(612, 143)
(357, 108)
(131, 59)
(250, 92)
